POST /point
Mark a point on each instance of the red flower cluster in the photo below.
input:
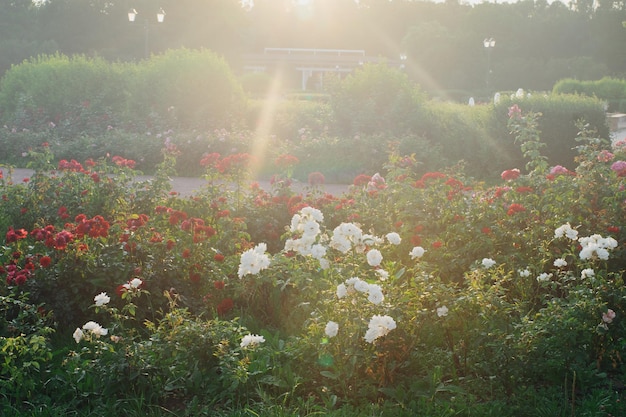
(200, 230)
(95, 227)
(45, 234)
(316, 178)
(515, 112)
(136, 221)
(524, 189)
(72, 165)
(515, 208)
(225, 306)
(14, 235)
(429, 176)
(233, 163)
(210, 160)
(286, 161)
(510, 174)
(16, 275)
(361, 180)
(61, 240)
(195, 273)
(62, 212)
(123, 162)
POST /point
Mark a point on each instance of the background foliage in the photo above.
(537, 42)
(191, 100)
(498, 313)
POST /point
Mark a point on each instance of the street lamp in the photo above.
(160, 17)
(489, 44)
(403, 58)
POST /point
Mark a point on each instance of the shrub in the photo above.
(25, 346)
(610, 90)
(184, 88)
(464, 133)
(429, 291)
(72, 95)
(375, 99)
(558, 126)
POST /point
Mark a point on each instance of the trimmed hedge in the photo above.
(560, 113)
(79, 95)
(611, 90)
(185, 89)
(375, 99)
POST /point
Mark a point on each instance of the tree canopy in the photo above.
(537, 43)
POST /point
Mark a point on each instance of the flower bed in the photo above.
(428, 292)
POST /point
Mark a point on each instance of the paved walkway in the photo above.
(187, 186)
(618, 135)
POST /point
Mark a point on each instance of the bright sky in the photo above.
(248, 4)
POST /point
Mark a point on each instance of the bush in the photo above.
(610, 90)
(184, 88)
(375, 99)
(428, 291)
(25, 347)
(75, 96)
(558, 123)
(70, 97)
(464, 133)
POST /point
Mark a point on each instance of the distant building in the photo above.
(309, 64)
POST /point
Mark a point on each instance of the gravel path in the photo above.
(186, 186)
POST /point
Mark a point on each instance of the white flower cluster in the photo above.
(417, 252)
(393, 238)
(587, 273)
(442, 311)
(331, 329)
(348, 235)
(353, 285)
(254, 260)
(133, 284)
(544, 277)
(567, 231)
(309, 240)
(488, 263)
(596, 246)
(306, 224)
(251, 340)
(379, 326)
(101, 299)
(91, 328)
(374, 257)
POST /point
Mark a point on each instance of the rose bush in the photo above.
(431, 291)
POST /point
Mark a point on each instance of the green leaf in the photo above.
(329, 374)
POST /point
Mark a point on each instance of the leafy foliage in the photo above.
(426, 290)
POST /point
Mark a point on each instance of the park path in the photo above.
(187, 186)
(618, 135)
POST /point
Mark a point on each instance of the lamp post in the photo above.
(489, 44)
(132, 17)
